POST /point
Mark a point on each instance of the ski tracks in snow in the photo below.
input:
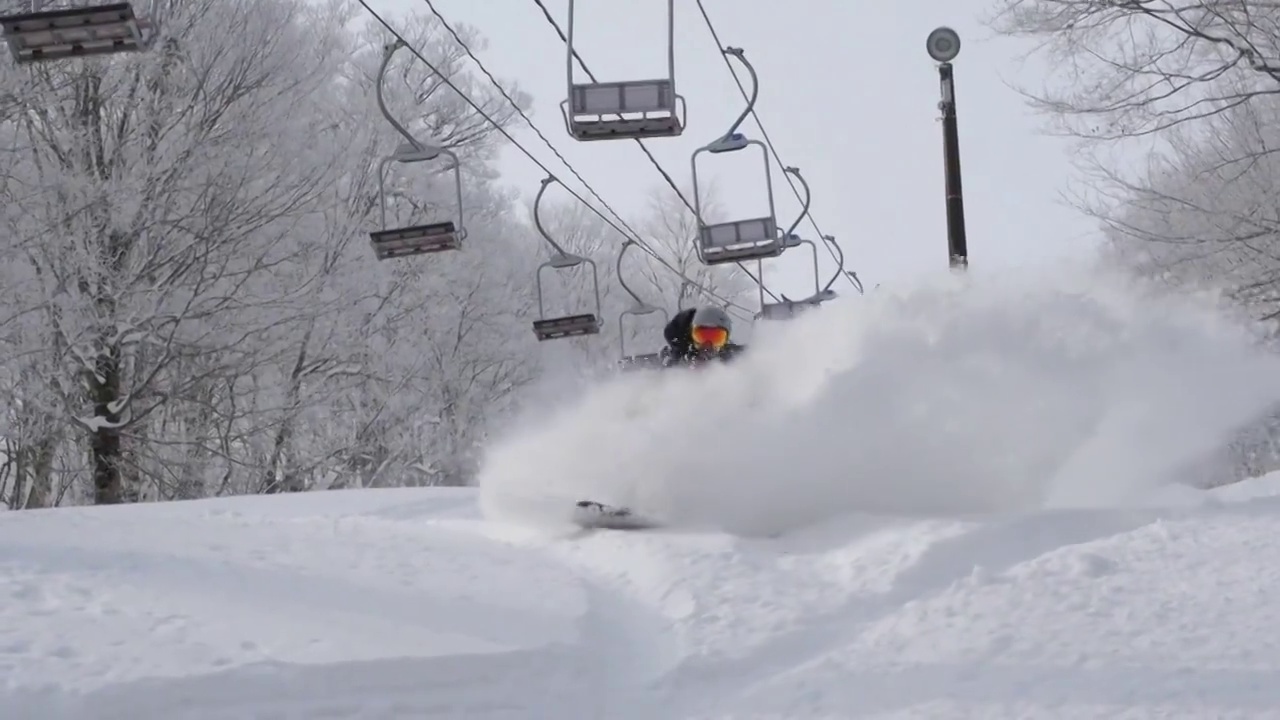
(417, 609)
(1081, 613)
(745, 612)
(389, 605)
(399, 610)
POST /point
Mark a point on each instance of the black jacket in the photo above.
(678, 333)
(680, 348)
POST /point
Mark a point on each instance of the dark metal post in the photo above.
(943, 45)
(956, 241)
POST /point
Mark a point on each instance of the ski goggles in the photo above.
(705, 336)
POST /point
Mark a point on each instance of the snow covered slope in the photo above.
(950, 503)
(406, 604)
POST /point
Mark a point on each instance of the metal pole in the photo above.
(943, 45)
(957, 244)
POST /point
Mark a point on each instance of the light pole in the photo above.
(943, 45)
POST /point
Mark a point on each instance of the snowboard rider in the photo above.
(696, 335)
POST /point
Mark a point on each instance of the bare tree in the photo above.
(434, 364)
(1192, 88)
(1204, 215)
(186, 221)
(672, 229)
(419, 306)
(156, 189)
(1129, 68)
(1197, 84)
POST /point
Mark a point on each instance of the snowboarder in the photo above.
(696, 335)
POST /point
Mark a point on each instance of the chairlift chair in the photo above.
(641, 108)
(840, 271)
(552, 328)
(640, 307)
(79, 32)
(787, 308)
(746, 239)
(423, 238)
(645, 361)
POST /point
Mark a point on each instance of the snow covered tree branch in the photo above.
(195, 282)
(1128, 68)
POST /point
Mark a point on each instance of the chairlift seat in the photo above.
(740, 240)
(75, 32)
(784, 310)
(787, 309)
(567, 326)
(658, 107)
(643, 361)
(415, 240)
(407, 154)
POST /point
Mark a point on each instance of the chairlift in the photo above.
(415, 239)
(645, 360)
(787, 308)
(46, 35)
(840, 271)
(641, 108)
(737, 240)
(546, 328)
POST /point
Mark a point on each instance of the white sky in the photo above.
(847, 94)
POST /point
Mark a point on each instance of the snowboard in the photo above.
(590, 514)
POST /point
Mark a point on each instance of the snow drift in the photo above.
(404, 604)
(962, 395)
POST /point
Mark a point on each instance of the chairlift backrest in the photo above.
(649, 108)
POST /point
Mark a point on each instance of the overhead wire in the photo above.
(634, 236)
(661, 170)
(851, 276)
(539, 163)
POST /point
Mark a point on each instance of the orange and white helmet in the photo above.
(711, 328)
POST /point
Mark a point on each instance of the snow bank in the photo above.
(378, 604)
(1062, 388)
(337, 605)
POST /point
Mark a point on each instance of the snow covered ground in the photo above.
(950, 504)
(407, 604)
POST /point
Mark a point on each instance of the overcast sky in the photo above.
(847, 94)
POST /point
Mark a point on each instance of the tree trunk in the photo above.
(40, 475)
(281, 475)
(12, 466)
(104, 440)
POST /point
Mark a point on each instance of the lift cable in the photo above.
(540, 164)
(661, 170)
(633, 233)
(850, 275)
